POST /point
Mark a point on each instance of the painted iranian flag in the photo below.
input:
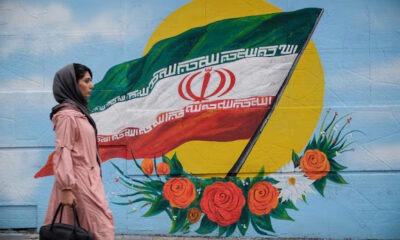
(218, 82)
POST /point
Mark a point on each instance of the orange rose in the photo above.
(163, 168)
(180, 192)
(222, 202)
(148, 166)
(194, 215)
(262, 198)
(314, 164)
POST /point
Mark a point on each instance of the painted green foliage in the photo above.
(224, 205)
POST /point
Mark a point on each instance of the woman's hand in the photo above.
(67, 197)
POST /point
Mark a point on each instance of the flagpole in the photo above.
(246, 151)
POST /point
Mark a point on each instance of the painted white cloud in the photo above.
(380, 154)
(32, 83)
(16, 175)
(386, 72)
(35, 29)
(374, 83)
(387, 151)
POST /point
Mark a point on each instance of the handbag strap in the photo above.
(61, 213)
(76, 222)
(60, 209)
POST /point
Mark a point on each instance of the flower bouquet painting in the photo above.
(226, 205)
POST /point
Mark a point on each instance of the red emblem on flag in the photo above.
(205, 84)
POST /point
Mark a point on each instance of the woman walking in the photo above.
(76, 162)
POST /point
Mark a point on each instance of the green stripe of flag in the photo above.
(291, 28)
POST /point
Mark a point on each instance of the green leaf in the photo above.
(259, 176)
(166, 159)
(335, 166)
(222, 230)
(244, 185)
(178, 219)
(257, 229)
(159, 205)
(128, 184)
(155, 164)
(230, 230)
(206, 226)
(320, 185)
(133, 201)
(176, 166)
(313, 144)
(290, 205)
(123, 174)
(322, 144)
(331, 153)
(243, 223)
(295, 159)
(121, 203)
(263, 222)
(138, 188)
(335, 177)
(144, 205)
(280, 213)
(330, 124)
(186, 227)
(137, 165)
(271, 180)
(118, 169)
(136, 193)
(323, 122)
(155, 184)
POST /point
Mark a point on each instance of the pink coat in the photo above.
(75, 167)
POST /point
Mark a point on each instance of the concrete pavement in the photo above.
(145, 237)
(25, 236)
(32, 235)
(15, 236)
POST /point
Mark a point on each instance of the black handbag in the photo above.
(61, 231)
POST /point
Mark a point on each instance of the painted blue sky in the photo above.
(356, 40)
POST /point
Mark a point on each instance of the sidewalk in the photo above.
(19, 236)
(32, 235)
(11, 235)
(16, 236)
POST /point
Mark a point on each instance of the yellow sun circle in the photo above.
(291, 124)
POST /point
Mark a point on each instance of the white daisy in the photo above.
(292, 182)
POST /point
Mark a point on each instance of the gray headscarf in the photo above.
(66, 91)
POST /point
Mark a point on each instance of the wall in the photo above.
(350, 68)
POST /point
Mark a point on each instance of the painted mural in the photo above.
(216, 117)
(226, 204)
